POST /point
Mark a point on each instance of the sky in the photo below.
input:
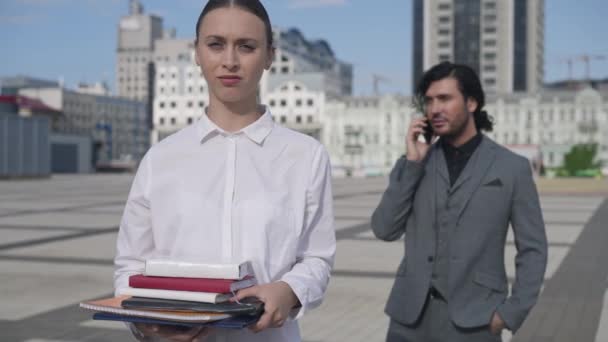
(75, 40)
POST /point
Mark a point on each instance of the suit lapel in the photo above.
(471, 176)
(441, 167)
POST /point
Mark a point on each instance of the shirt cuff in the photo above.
(301, 292)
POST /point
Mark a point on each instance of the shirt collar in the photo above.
(256, 131)
(466, 148)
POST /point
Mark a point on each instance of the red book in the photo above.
(190, 284)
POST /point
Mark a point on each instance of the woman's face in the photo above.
(232, 52)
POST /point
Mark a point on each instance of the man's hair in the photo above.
(468, 84)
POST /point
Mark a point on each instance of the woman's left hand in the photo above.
(278, 298)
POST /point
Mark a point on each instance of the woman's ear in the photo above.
(271, 55)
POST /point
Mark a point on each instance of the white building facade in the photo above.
(365, 136)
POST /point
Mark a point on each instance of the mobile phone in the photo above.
(428, 132)
(419, 105)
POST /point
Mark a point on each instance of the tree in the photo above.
(581, 157)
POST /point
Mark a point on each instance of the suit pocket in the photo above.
(490, 281)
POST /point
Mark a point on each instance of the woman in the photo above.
(235, 186)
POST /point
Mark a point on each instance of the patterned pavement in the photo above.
(57, 240)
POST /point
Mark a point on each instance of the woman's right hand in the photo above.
(172, 333)
(416, 150)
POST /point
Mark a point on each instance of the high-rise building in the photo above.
(137, 34)
(297, 55)
(503, 40)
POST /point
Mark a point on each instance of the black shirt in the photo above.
(456, 158)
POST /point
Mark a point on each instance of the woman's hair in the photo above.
(468, 84)
(254, 7)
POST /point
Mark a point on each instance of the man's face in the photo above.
(449, 114)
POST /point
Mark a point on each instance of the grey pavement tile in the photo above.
(12, 235)
(62, 219)
(33, 288)
(101, 246)
(362, 256)
(341, 224)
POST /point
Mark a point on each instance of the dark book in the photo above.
(249, 306)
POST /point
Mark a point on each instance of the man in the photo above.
(454, 200)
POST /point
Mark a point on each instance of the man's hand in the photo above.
(497, 324)
(173, 333)
(278, 300)
(416, 150)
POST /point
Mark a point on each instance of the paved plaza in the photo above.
(57, 242)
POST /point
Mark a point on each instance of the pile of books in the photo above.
(183, 294)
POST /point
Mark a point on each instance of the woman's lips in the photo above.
(229, 81)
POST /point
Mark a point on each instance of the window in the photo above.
(161, 105)
(444, 20)
(189, 120)
(173, 121)
(161, 121)
(444, 6)
(489, 55)
(298, 119)
(272, 103)
(444, 32)
(173, 104)
(283, 103)
(444, 58)
(444, 44)
(489, 17)
(490, 81)
(283, 119)
(310, 102)
(310, 119)
(489, 29)
(284, 58)
(285, 70)
(298, 103)
(489, 67)
(189, 104)
(201, 104)
(490, 42)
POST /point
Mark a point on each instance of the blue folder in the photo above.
(237, 322)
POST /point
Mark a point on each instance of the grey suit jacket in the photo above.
(495, 191)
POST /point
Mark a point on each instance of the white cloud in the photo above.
(316, 3)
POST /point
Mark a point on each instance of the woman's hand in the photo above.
(278, 300)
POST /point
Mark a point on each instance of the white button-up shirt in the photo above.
(261, 194)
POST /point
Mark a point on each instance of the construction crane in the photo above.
(376, 79)
(586, 59)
